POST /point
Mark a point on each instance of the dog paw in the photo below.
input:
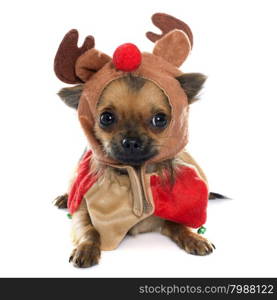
(197, 245)
(85, 255)
(61, 201)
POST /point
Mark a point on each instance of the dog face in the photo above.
(132, 115)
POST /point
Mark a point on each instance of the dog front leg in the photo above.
(186, 239)
(87, 239)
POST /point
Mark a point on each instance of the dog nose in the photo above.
(131, 144)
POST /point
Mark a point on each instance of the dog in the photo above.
(136, 175)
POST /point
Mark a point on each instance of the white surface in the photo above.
(232, 135)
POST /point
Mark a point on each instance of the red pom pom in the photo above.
(127, 57)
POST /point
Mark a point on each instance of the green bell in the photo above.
(201, 230)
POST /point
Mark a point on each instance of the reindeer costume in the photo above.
(116, 203)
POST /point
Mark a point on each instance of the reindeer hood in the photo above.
(96, 69)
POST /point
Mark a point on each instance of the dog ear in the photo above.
(71, 95)
(192, 83)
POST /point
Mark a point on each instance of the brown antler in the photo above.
(168, 23)
(67, 55)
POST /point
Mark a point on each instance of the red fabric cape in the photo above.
(185, 202)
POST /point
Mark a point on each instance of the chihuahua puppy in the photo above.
(132, 114)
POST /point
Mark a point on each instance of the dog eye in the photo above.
(159, 120)
(107, 118)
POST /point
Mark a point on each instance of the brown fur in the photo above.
(134, 106)
(71, 95)
(134, 101)
(186, 239)
(192, 83)
(183, 236)
(61, 201)
(86, 238)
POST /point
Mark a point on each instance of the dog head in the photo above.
(134, 107)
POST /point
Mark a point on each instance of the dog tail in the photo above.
(61, 201)
(213, 196)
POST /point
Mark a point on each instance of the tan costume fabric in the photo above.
(118, 202)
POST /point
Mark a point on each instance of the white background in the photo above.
(232, 135)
